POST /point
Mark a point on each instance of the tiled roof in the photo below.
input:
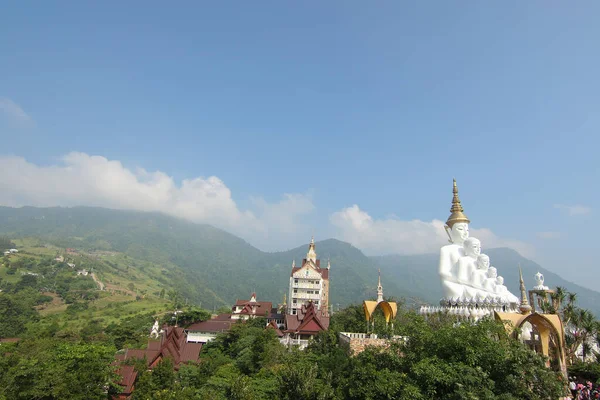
(213, 326)
(172, 344)
(273, 325)
(128, 375)
(261, 307)
(307, 321)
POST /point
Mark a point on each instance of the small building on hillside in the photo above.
(172, 344)
(303, 326)
(245, 309)
(205, 331)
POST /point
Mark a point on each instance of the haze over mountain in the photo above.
(215, 268)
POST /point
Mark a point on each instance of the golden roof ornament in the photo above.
(457, 211)
(525, 308)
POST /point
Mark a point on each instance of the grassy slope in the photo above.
(117, 271)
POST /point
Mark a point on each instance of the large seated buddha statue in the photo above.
(466, 274)
(457, 228)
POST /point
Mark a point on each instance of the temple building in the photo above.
(309, 283)
(172, 343)
(303, 326)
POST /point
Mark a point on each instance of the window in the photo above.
(295, 290)
(294, 311)
(295, 281)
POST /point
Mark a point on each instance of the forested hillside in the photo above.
(211, 267)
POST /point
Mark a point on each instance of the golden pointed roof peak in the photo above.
(457, 211)
(525, 308)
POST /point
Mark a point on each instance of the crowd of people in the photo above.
(583, 391)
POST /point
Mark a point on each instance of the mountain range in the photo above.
(212, 267)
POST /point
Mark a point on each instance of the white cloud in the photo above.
(14, 111)
(576, 209)
(81, 179)
(549, 235)
(393, 235)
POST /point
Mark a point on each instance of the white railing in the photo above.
(301, 343)
(306, 296)
(307, 285)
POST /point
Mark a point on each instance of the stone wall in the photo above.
(355, 343)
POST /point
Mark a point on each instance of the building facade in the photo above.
(309, 283)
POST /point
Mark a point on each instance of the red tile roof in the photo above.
(273, 325)
(172, 344)
(260, 307)
(307, 321)
(128, 375)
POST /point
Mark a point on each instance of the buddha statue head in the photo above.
(472, 247)
(457, 225)
(499, 280)
(459, 232)
(483, 262)
(492, 273)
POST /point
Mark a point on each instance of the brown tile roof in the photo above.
(308, 321)
(260, 307)
(212, 326)
(173, 344)
(273, 325)
(128, 375)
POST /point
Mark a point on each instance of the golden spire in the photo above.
(525, 308)
(457, 211)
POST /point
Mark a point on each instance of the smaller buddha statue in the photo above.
(539, 280)
(503, 292)
(468, 264)
(489, 285)
(480, 273)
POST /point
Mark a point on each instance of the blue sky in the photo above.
(341, 119)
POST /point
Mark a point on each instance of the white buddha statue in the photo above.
(467, 275)
(503, 292)
(457, 228)
(489, 285)
(480, 273)
(467, 265)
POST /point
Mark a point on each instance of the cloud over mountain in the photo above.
(82, 179)
(394, 235)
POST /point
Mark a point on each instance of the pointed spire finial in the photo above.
(457, 211)
(524, 307)
(311, 255)
(294, 263)
(379, 288)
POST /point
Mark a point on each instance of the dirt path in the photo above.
(100, 284)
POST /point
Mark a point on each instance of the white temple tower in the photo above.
(309, 283)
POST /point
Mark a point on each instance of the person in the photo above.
(573, 387)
